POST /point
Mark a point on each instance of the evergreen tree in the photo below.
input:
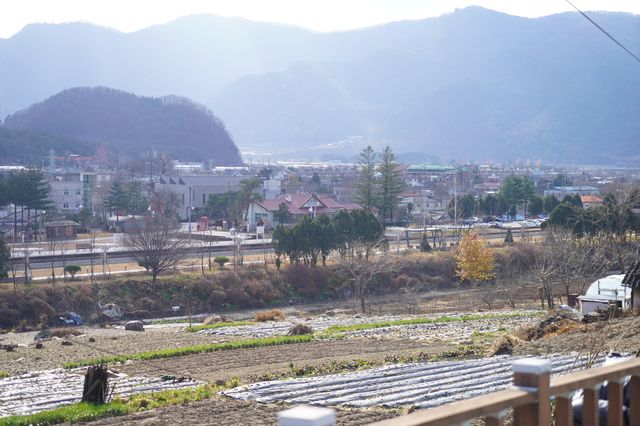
(390, 184)
(425, 247)
(282, 215)
(535, 205)
(366, 179)
(508, 239)
(516, 190)
(117, 199)
(550, 203)
(5, 257)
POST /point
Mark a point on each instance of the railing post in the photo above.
(634, 402)
(614, 408)
(590, 407)
(533, 375)
(564, 410)
(307, 415)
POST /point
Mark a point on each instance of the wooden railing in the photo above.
(531, 396)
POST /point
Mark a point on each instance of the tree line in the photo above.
(615, 216)
(352, 234)
(514, 192)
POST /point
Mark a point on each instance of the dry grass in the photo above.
(272, 315)
(553, 326)
(503, 346)
(212, 319)
(64, 332)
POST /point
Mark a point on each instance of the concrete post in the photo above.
(533, 375)
(307, 415)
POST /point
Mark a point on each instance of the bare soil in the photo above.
(248, 363)
(107, 341)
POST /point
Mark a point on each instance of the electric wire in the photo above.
(604, 31)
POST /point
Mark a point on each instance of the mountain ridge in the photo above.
(473, 83)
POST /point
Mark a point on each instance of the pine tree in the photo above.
(117, 199)
(474, 258)
(366, 181)
(391, 184)
(508, 239)
(425, 247)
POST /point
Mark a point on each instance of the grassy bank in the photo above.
(84, 412)
(192, 350)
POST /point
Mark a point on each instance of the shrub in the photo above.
(272, 315)
(72, 270)
(310, 282)
(300, 329)
(221, 260)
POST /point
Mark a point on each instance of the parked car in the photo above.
(70, 318)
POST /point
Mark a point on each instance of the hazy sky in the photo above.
(320, 15)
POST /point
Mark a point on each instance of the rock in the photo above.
(8, 348)
(43, 334)
(111, 310)
(134, 326)
(92, 340)
(66, 343)
(39, 345)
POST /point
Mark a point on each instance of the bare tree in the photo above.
(156, 244)
(361, 271)
(569, 261)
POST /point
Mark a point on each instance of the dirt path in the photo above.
(247, 363)
(220, 411)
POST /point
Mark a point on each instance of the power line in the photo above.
(605, 32)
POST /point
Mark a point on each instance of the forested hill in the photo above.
(176, 125)
(31, 148)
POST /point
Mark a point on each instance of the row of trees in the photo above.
(614, 217)
(28, 191)
(515, 192)
(497, 205)
(379, 182)
(352, 234)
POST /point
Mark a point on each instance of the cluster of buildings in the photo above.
(309, 188)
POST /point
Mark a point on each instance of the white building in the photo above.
(194, 191)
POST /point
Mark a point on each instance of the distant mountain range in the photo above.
(129, 124)
(473, 84)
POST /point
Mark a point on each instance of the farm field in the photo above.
(346, 347)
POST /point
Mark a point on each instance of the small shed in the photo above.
(604, 292)
(125, 223)
(61, 230)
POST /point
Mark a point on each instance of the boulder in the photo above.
(134, 326)
(111, 310)
(42, 334)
